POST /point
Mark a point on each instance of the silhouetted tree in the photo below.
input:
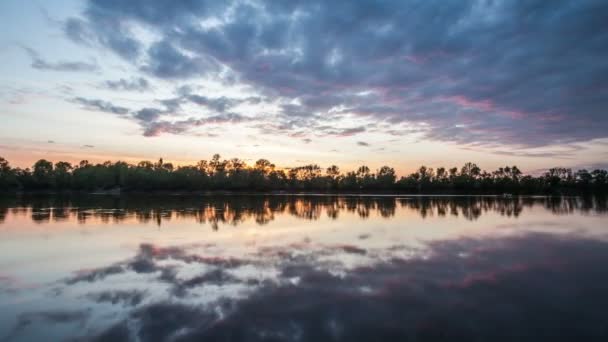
(8, 176)
(234, 174)
(386, 177)
(43, 174)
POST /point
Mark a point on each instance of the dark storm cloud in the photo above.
(69, 66)
(134, 84)
(531, 73)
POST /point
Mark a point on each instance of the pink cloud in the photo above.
(485, 105)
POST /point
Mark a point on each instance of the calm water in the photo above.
(307, 268)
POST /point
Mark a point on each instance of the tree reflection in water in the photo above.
(232, 210)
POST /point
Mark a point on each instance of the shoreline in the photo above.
(289, 193)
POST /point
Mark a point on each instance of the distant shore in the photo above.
(280, 193)
(234, 176)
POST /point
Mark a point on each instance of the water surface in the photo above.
(303, 268)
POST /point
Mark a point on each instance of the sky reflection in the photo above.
(303, 268)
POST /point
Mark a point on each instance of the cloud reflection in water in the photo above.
(520, 286)
(529, 287)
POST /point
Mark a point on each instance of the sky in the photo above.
(401, 83)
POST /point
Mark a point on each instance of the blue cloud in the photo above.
(139, 84)
(527, 73)
(69, 66)
(100, 105)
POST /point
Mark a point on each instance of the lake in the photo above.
(303, 268)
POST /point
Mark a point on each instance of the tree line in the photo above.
(219, 174)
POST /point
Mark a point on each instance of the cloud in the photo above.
(69, 66)
(106, 30)
(55, 317)
(156, 128)
(217, 277)
(148, 114)
(493, 73)
(170, 117)
(462, 270)
(139, 84)
(362, 143)
(450, 293)
(220, 104)
(166, 61)
(339, 132)
(130, 297)
(351, 249)
(100, 105)
(148, 261)
(152, 120)
(95, 275)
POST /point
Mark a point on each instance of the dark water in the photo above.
(313, 268)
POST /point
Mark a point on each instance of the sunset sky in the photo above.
(402, 83)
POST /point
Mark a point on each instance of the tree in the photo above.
(515, 173)
(386, 177)
(583, 177)
(203, 166)
(43, 174)
(365, 179)
(333, 177)
(145, 165)
(441, 175)
(470, 170)
(333, 171)
(264, 166)
(558, 176)
(453, 173)
(235, 174)
(4, 166)
(63, 175)
(600, 177)
(8, 177)
(216, 164)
